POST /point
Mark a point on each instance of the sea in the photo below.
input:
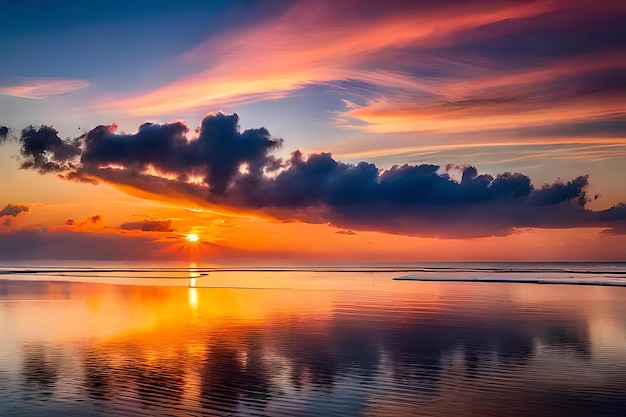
(427, 339)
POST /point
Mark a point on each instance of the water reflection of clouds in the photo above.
(356, 354)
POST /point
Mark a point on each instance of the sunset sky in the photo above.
(305, 132)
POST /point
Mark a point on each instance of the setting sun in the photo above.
(192, 237)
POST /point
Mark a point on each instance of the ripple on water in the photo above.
(398, 348)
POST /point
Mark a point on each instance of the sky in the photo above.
(299, 132)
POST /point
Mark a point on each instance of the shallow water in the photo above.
(302, 343)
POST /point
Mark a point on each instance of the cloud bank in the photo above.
(221, 166)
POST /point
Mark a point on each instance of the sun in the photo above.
(192, 237)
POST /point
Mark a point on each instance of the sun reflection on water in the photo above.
(280, 351)
(193, 274)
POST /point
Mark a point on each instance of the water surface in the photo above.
(304, 343)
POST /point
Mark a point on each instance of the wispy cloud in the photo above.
(583, 89)
(600, 148)
(313, 43)
(420, 67)
(41, 88)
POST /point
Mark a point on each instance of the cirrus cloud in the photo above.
(487, 66)
(41, 88)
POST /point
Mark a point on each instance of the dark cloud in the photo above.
(616, 215)
(149, 226)
(557, 193)
(618, 230)
(219, 165)
(215, 155)
(13, 210)
(89, 220)
(94, 219)
(7, 222)
(4, 133)
(44, 151)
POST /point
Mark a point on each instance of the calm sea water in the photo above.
(351, 341)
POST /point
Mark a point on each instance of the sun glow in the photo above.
(192, 237)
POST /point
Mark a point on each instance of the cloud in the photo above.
(40, 88)
(149, 226)
(291, 51)
(7, 222)
(470, 94)
(94, 219)
(447, 67)
(345, 232)
(620, 230)
(44, 151)
(4, 133)
(89, 221)
(220, 166)
(13, 210)
(46, 244)
(215, 156)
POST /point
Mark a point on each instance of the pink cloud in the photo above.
(311, 44)
(41, 88)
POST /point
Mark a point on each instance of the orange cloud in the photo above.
(588, 148)
(493, 100)
(383, 116)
